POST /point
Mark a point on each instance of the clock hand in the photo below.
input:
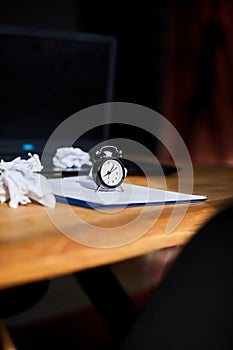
(108, 173)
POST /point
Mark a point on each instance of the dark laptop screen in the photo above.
(47, 76)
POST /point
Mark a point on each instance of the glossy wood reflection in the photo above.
(33, 248)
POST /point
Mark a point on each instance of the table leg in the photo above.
(109, 298)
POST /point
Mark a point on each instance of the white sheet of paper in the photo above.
(81, 191)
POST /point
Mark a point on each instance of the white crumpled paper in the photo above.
(70, 157)
(20, 183)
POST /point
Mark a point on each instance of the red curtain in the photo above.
(198, 88)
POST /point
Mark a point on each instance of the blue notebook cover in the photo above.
(81, 191)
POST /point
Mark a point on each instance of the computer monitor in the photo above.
(47, 76)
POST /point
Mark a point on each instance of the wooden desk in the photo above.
(32, 248)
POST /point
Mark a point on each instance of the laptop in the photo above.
(47, 76)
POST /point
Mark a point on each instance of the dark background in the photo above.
(174, 56)
(140, 29)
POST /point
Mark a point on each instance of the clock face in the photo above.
(111, 173)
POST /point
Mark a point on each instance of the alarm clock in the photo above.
(108, 170)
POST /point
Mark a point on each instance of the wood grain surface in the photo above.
(33, 248)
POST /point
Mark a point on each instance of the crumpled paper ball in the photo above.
(20, 183)
(70, 157)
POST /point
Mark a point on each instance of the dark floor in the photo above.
(65, 317)
(81, 330)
